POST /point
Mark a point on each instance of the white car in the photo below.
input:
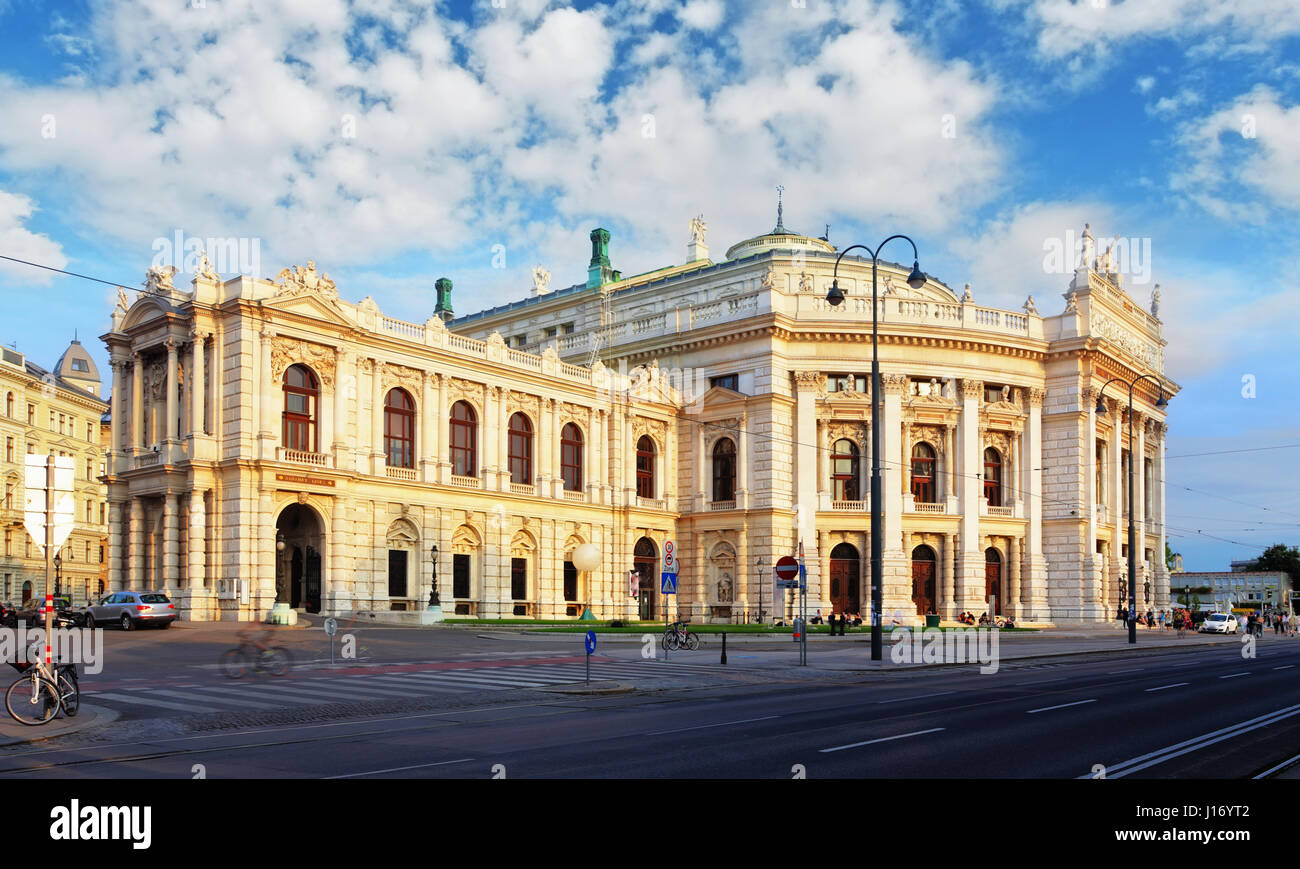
(1219, 623)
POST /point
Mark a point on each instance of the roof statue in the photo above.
(1029, 307)
(159, 279)
(541, 280)
(298, 280)
(1155, 301)
(122, 304)
(966, 296)
(698, 228)
(1086, 251)
(204, 268)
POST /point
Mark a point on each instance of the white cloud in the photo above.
(1145, 83)
(525, 126)
(1167, 107)
(1242, 160)
(19, 242)
(703, 15)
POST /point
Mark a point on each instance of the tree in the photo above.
(1171, 557)
(1281, 557)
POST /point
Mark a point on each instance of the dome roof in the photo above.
(76, 367)
(779, 238)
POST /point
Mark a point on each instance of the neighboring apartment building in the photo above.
(276, 443)
(59, 412)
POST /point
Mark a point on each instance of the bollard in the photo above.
(724, 648)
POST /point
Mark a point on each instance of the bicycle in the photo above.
(677, 637)
(34, 699)
(251, 653)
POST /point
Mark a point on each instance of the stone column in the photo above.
(118, 567)
(339, 582)
(970, 571)
(1012, 602)
(198, 386)
(1090, 580)
(896, 570)
(171, 542)
(173, 392)
(490, 438)
(1137, 549)
(137, 404)
(1161, 590)
(701, 494)
(1115, 503)
(947, 596)
(426, 425)
(1034, 591)
(197, 597)
(266, 387)
(377, 457)
(443, 442)
(135, 579)
(344, 394)
(503, 443)
(742, 468)
(119, 428)
(806, 384)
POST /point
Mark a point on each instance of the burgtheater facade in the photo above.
(273, 442)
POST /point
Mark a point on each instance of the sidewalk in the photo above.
(88, 716)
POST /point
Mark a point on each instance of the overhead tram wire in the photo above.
(794, 443)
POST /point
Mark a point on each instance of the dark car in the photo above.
(131, 609)
(32, 614)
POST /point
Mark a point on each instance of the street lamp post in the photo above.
(434, 601)
(58, 574)
(835, 297)
(760, 564)
(1132, 516)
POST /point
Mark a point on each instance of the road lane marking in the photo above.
(162, 704)
(704, 726)
(1163, 687)
(400, 768)
(1042, 681)
(918, 697)
(1235, 675)
(1285, 667)
(1061, 706)
(1117, 672)
(882, 739)
(1274, 769)
(1204, 741)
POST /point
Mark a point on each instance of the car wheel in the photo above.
(127, 624)
(164, 626)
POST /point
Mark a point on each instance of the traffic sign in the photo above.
(331, 627)
(65, 517)
(787, 572)
(670, 557)
(668, 583)
(591, 642)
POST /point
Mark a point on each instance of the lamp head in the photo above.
(1101, 406)
(835, 296)
(916, 279)
(1162, 402)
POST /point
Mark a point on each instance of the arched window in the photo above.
(923, 488)
(993, 477)
(521, 449)
(844, 471)
(724, 470)
(301, 400)
(571, 457)
(645, 467)
(464, 436)
(399, 429)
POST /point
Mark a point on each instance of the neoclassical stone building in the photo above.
(273, 441)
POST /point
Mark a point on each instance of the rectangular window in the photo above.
(846, 383)
(90, 432)
(519, 578)
(519, 341)
(550, 333)
(80, 365)
(31, 414)
(460, 576)
(726, 381)
(51, 420)
(9, 450)
(90, 469)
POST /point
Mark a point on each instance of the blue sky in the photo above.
(394, 145)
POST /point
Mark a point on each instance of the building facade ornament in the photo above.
(158, 280)
(291, 351)
(300, 280)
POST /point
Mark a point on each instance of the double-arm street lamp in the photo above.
(835, 297)
(1132, 460)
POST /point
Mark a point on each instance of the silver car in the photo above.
(132, 609)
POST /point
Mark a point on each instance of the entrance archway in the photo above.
(298, 580)
(645, 561)
(845, 574)
(923, 584)
(993, 579)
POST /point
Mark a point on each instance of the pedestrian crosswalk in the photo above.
(305, 688)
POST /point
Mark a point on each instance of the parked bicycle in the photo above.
(252, 654)
(676, 636)
(35, 698)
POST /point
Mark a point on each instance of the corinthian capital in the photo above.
(808, 379)
(972, 388)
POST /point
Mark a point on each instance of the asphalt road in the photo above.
(1199, 713)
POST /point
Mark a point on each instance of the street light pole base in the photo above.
(432, 615)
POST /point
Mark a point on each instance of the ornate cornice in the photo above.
(290, 351)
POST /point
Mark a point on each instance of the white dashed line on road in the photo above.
(1061, 706)
(917, 697)
(1163, 687)
(1235, 675)
(401, 768)
(882, 739)
(706, 726)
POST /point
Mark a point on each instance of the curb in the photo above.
(99, 715)
(592, 688)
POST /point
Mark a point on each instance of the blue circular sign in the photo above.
(591, 642)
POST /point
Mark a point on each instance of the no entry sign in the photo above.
(787, 572)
